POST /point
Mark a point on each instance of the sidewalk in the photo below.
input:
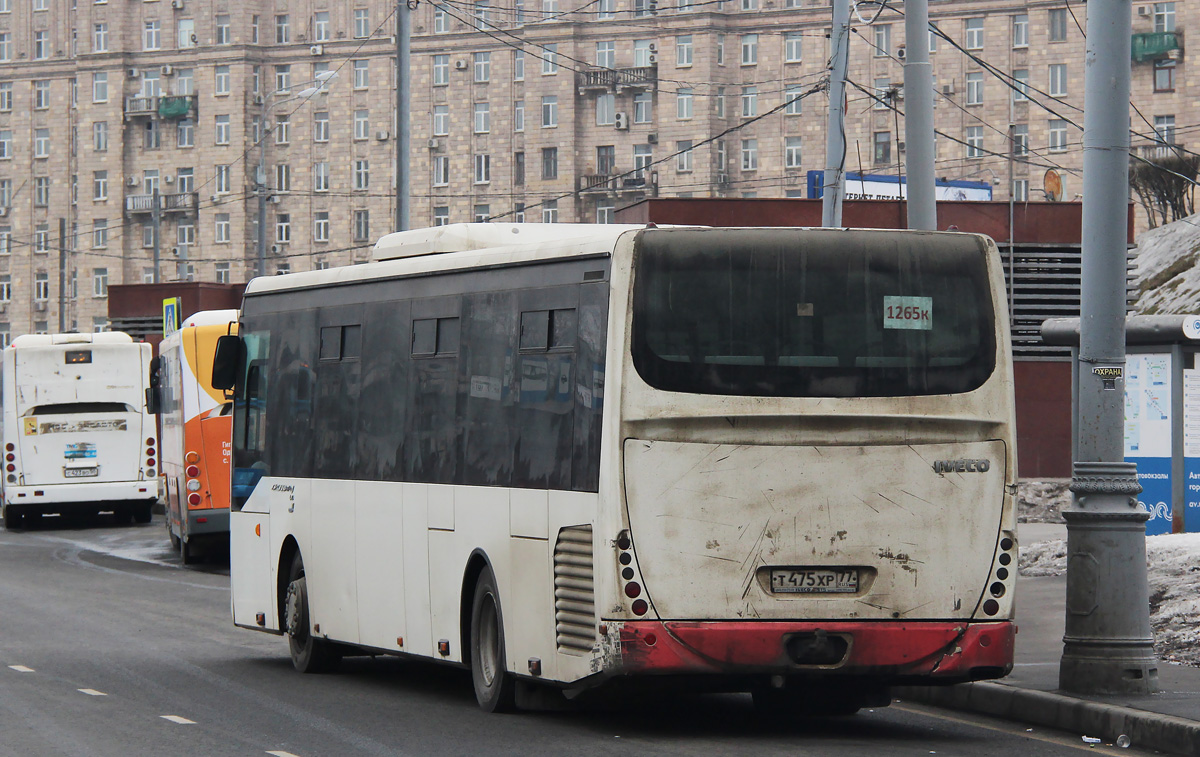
(1168, 721)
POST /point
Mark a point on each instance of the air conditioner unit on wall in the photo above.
(316, 49)
(622, 121)
(177, 4)
(902, 52)
(1143, 10)
(167, 70)
(461, 65)
(40, 304)
(133, 73)
(381, 135)
(3, 211)
(132, 181)
(434, 144)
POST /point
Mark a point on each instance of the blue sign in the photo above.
(1191, 494)
(1154, 474)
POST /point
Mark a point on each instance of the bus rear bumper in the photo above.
(211, 521)
(898, 652)
(109, 491)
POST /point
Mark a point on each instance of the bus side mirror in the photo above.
(225, 362)
(154, 391)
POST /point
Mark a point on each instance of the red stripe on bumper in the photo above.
(936, 650)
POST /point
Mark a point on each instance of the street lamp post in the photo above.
(260, 180)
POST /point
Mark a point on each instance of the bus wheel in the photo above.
(12, 519)
(142, 513)
(175, 542)
(309, 654)
(494, 687)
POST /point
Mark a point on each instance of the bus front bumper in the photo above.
(900, 652)
(97, 492)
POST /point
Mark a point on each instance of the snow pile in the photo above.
(1167, 275)
(1043, 501)
(1174, 574)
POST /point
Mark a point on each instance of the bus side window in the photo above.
(154, 391)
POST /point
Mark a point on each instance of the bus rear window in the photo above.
(70, 408)
(812, 313)
(78, 356)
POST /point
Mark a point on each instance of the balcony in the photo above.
(610, 183)
(163, 106)
(1153, 45)
(616, 79)
(181, 202)
(1158, 150)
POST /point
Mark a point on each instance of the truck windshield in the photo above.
(785, 313)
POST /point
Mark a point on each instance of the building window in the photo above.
(642, 50)
(100, 87)
(362, 74)
(1020, 190)
(975, 88)
(41, 143)
(185, 33)
(441, 20)
(792, 47)
(6, 96)
(362, 225)
(749, 102)
(5, 47)
(483, 118)
(321, 177)
(883, 86)
(321, 226)
(283, 78)
(974, 33)
(883, 147)
(99, 185)
(1020, 139)
(41, 286)
(549, 163)
(222, 270)
(1058, 80)
(321, 126)
(282, 31)
(441, 170)
(549, 111)
(222, 180)
(1164, 17)
(1020, 30)
(321, 26)
(362, 124)
(254, 25)
(441, 120)
(483, 168)
(362, 174)
(749, 49)
(606, 54)
(222, 130)
(185, 133)
(221, 81)
(100, 38)
(1058, 135)
(549, 59)
(1020, 85)
(483, 213)
(974, 141)
(883, 40)
(283, 228)
(550, 211)
(683, 103)
(749, 154)
(41, 238)
(6, 285)
(793, 95)
(643, 108)
(483, 67)
(1164, 76)
(792, 154)
(41, 45)
(1164, 129)
(221, 228)
(283, 177)
(441, 70)
(683, 51)
(362, 23)
(683, 156)
(99, 281)
(224, 34)
(606, 110)
(6, 144)
(441, 215)
(518, 65)
(1058, 24)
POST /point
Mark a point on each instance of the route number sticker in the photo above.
(908, 313)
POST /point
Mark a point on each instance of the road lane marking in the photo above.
(177, 719)
(21, 668)
(1015, 729)
(283, 754)
(92, 692)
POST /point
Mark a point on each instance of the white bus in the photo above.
(77, 434)
(773, 460)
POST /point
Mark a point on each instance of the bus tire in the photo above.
(309, 654)
(12, 519)
(175, 542)
(142, 513)
(495, 688)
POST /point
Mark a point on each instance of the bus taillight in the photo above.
(150, 442)
(10, 467)
(192, 457)
(10, 457)
(10, 447)
(192, 471)
(194, 498)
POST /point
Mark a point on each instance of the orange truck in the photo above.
(197, 427)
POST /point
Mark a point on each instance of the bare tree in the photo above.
(1165, 186)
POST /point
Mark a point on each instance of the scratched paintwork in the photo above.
(707, 518)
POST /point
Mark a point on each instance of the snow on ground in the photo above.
(1172, 560)
(1167, 274)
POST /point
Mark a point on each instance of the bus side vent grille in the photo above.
(574, 591)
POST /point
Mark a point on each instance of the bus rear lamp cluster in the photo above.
(633, 589)
(998, 588)
(150, 457)
(10, 459)
(192, 471)
(194, 498)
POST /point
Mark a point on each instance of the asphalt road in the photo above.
(110, 647)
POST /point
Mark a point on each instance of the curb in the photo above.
(1146, 730)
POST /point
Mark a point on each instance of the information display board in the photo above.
(1148, 393)
(1191, 449)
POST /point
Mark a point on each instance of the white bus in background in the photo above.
(773, 460)
(77, 434)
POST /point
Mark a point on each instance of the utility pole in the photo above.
(1108, 646)
(260, 187)
(403, 106)
(918, 117)
(156, 227)
(62, 275)
(833, 187)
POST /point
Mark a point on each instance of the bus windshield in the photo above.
(812, 313)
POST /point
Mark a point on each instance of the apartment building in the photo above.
(559, 112)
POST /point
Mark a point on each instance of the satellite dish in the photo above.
(1053, 185)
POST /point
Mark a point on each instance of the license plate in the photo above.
(814, 580)
(81, 472)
